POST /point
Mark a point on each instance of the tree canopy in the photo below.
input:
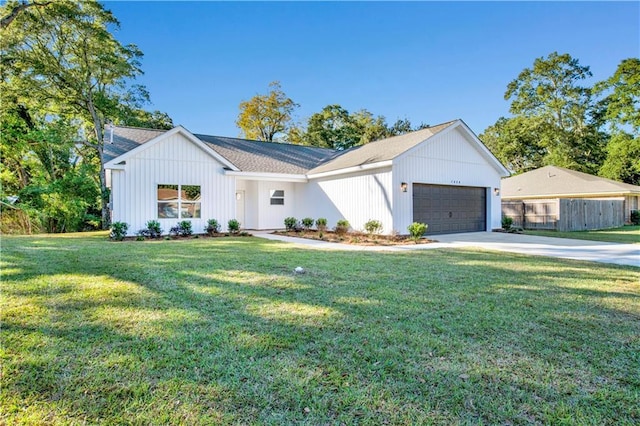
(60, 63)
(558, 120)
(264, 117)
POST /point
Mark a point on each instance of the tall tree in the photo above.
(263, 117)
(334, 128)
(621, 104)
(548, 100)
(62, 58)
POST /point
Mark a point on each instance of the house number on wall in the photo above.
(455, 181)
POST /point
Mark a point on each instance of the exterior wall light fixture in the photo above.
(496, 191)
(403, 186)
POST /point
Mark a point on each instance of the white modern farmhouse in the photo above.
(442, 175)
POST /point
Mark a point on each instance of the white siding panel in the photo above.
(357, 197)
(448, 159)
(175, 160)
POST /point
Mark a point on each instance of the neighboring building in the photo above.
(557, 198)
(442, 175)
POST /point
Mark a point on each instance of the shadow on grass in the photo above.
(224, 331)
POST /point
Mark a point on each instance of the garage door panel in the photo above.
(449, 209)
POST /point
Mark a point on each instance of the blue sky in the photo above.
(426, 61)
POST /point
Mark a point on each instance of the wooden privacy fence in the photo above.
(565, 214)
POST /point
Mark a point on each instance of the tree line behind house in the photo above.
(65, 77)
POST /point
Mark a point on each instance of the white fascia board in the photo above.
(178, 129)
(275, 177)
(109, 166)
(371, 166)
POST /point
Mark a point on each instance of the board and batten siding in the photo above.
(357, 197)
(446, 159)
(174, 160)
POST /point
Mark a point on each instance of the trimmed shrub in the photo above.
(213, 227)
(234, 226)
(506, 223)
(154, 230)
(373, 227)
(417, 230)
(290, 223)
(307, 223)
(635, 217)
(183, 229)
(118, 231)
(321, 224)
(342, 227)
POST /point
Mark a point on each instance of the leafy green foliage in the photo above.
(185, 228)
(307, 223)
(507, 222)
(621, 106)
(61, 61)
(635, 217)
(342, 227)
(154, 229)
(290, 223)
(233, 226)
(118, 231)
(265, 116)
(555, 120)
(213, 226)
(373, 227)
(321, 224)
(417, 230)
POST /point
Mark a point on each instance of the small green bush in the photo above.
(373, 227)
(154, 230)
(307, 223)
(213, 227)
(234, 226)
(506, 223)
(290, 223)
(321, 224)
(185, 228)
(635, 217)
(417, 230)
(118, 231)
(342, 227)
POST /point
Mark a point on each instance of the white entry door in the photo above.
(240, 208)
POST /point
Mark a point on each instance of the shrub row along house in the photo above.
(441, 175)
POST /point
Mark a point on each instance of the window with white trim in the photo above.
(277, 197)
(178, 201)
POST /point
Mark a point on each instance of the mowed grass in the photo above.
(625, 235)
(221, 331)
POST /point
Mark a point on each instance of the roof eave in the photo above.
(353, 169)
(276, 177)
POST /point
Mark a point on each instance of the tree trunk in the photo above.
(104, 191)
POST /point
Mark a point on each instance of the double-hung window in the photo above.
(178, 201)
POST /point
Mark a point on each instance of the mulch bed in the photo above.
(355, 238)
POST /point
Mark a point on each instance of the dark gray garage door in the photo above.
(450, 209)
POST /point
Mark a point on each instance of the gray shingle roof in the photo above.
(271, 157)
(125, 139)
(381, 150)
(267, 157)
(553, 181)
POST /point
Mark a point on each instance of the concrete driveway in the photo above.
(620, 254)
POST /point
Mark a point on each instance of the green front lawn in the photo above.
(624, 235)
(221, 331)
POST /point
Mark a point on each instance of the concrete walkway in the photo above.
(620, 254)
